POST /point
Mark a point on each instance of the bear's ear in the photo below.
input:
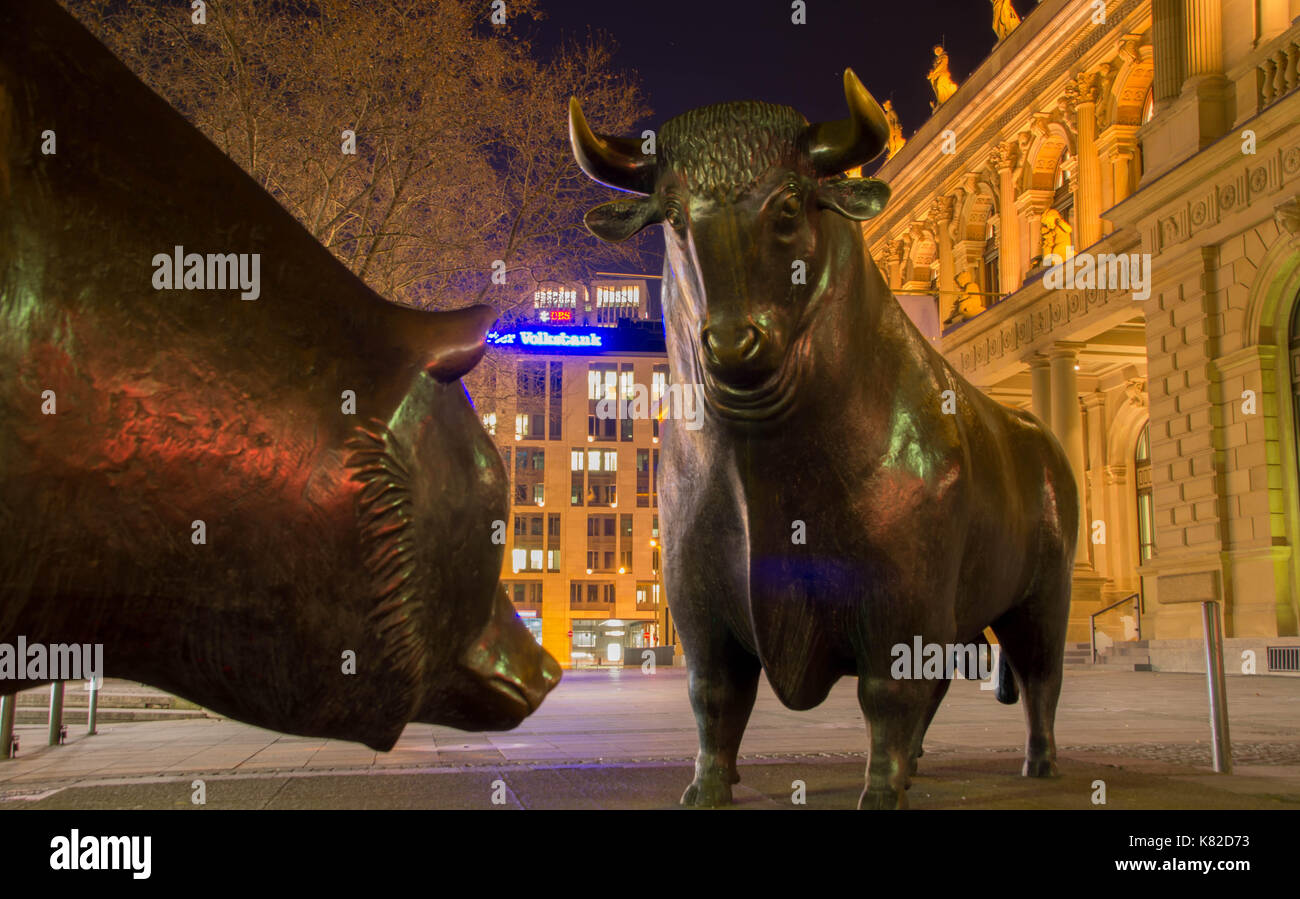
(854, 198)
(618, 220)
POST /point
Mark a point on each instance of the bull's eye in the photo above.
(791, 207)
(673, 216)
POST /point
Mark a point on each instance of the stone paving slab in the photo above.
(623, 718)
(985, 781)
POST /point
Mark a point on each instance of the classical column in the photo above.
(1067, 424)
(1010, 269)
(941, 212)
(1087, 197)
(1203, 30)
(1040, 378)
(1167, 42)
(1203, 36)
(896, 253)
(1094, 413)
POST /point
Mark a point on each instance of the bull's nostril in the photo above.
(709, 341)
(742, 346)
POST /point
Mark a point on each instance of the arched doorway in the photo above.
(1294, 365)
(1146, 527)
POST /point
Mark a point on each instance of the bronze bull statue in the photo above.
(849, 492)
(181, 477)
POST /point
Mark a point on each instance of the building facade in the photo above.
(1162, 133)
(580, 382)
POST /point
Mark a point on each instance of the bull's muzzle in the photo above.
(737, 354)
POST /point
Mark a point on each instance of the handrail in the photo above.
(1092, 620)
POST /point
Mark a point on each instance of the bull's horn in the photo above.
(615, 161)
(836, 146)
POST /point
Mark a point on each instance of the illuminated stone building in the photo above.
(582, 559)
(1170, 130)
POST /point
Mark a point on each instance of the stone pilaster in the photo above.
(1010, 266)
(941, 213)
(1040, 376)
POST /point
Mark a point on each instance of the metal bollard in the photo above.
(56, 711)
(94, 708)
(1222, 744)
(8, 739)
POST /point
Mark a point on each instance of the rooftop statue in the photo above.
(1005, 19)
(896, 139)
(941, 79)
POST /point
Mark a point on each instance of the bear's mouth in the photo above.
(513, 692)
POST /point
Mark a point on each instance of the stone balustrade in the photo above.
(1277, 70)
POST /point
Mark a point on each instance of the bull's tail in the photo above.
(1007, 692)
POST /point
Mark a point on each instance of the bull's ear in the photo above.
(854, 198)
(618, 220)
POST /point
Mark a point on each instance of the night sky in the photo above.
(692, 53)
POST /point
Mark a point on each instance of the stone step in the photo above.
(30, 715)
(1111, 665)
(114, 694)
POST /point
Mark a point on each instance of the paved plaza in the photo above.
(622, 739)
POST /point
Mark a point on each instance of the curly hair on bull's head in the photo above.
(725, 148)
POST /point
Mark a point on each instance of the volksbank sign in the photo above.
(548, 339)
(627, 337)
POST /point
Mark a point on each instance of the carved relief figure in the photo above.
(1056, 233)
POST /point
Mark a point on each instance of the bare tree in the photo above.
(461, 153)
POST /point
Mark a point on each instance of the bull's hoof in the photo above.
(707, 792)
(1040, 768)
(882, 799)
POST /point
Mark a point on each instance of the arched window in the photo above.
(1063, 200)
(990, 269)
(1145, 507)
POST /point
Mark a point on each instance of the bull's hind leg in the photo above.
(918, 748)
(897, 712)
(723, 684)
(1032, 636)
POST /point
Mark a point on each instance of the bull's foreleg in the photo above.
(723, 684)
(896, 712)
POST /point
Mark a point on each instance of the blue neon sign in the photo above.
(526, 337)
(550, 339)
